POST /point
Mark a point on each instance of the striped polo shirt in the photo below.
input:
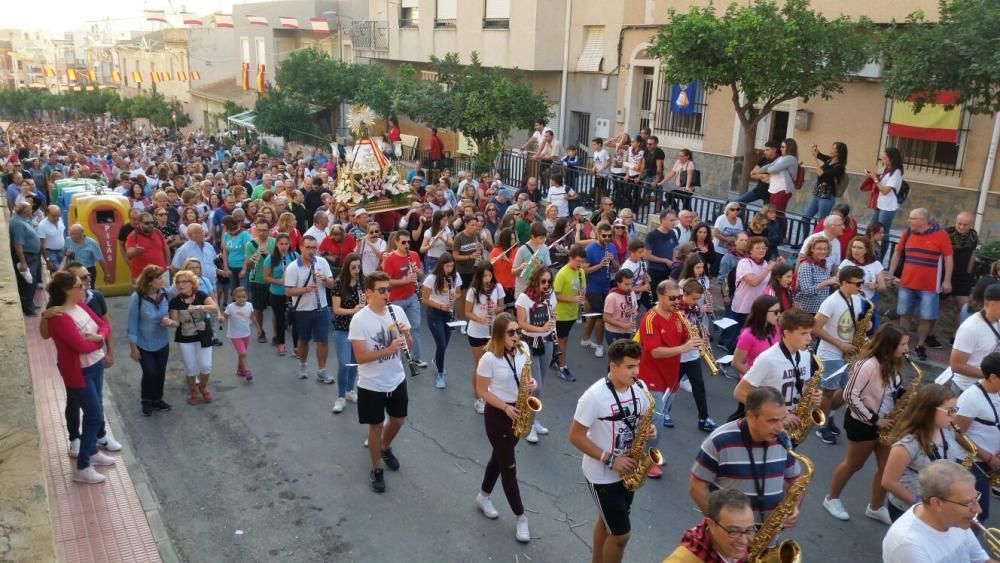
(724, 462)
(922, 259)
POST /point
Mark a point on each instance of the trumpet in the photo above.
(991, 537)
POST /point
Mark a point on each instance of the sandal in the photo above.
(205, 393)
(247, 375)
(193, 397)
(281, 349)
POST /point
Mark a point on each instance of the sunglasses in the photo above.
(382, 290)
(374, 232)
(406, 242)
(514, 332)
(605, 237)
(854, 282)
(545, 282)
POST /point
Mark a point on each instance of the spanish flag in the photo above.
(137, 77)
(116, 76)
(71, 75)
(92, 75)
(246, 76)
(934, 123)
(50, 72)
(155, 76)
(260, 79)
(182, 76)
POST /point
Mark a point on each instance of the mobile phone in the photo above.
(867, 172)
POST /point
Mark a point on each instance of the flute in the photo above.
(406, 347)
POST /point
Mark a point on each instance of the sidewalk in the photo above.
(91, 523)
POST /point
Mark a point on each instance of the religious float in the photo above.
(370, 180)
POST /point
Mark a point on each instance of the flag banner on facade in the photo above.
(92, 75)
(155, 77)
(195, 75)
(71, 75)
(260, 79)
(50, 72)
(116, 76)
(223, 20)
(156, 16)
(934, 123)
(682, 97)
(164, 76)
(246, 76)
(182, 76)
(257, 20)
(288, 22)
(137, 77)
(319, 25)
(191, 20)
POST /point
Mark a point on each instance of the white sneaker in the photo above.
(587, 344)
(532, 436)
(522, 534)
(686, 385)
(480, 406)
(485, 505)
(599, 351)
(541, 430)
(108, 443)
(74, 448)
(88, 475)
(881, 515)
(102, 459)
(339, 404)
(836, 508)
(351, 396)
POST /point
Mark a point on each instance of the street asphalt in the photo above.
(267, 473)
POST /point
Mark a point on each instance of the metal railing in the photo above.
(370, 35)
(496, 23)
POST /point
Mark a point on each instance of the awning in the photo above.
(244, 120)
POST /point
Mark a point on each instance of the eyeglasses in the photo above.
(967, 505)
(775, 311)
(382, 290)
(405, 242)
(514, 332)
(85, 277)
(949, 411)
(374, 232)
(545, 282)
(605, 237)
(161, 214)
(736, 533)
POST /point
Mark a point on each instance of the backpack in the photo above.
(903, 192)
(800, 177)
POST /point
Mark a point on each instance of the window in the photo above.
(677, 115)
(927, 154)
(497, 14)
(447, 13)
(409, 13)
(261, 51)
(245, 49)
(592, 55)
(581, 128)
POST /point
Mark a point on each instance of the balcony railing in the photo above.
(496, 23)
(445, 24)
(411, 23)
(370, 35)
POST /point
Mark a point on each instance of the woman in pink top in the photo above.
(621, 309)
(752, 274)
(760, 333)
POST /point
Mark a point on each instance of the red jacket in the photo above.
(70, 344)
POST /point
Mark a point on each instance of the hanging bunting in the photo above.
(191, 20)
(156, 16)
(116, 76)
(50, 72)
(246, 76)
(154, 76)
(182, 76)
(257, 20)
(319, 25)
(288, 22)
(71, 75)
(195, 75)
(260, 79)
(137, 77)
(223, 21)
(92, 75)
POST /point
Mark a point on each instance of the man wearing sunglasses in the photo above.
(404, 269)
(835, 326)
(724, 534)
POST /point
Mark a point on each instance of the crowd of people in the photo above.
(218, 232)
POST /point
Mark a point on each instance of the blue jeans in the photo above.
(924, 303)
(437, 323)
(663, 400)
(411, 306)
(819, 207)
(88, 398)
(885, 219)
(56, 257)
(346, 375)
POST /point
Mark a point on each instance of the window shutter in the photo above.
(411, 4)
(447, 9)
(593, 49)
(497, 9)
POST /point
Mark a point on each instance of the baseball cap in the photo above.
(618, 223)
(992, 293)
(580, 211)
(360, 211)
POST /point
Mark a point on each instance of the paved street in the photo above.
(267, 473)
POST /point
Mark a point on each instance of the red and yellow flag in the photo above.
(934, 123)
(92, 75)
(261, 82)
(246, 76)
(50, 72)
(71, 75)
(116, 76)
(137, 77)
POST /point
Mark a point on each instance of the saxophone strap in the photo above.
(795, 365)
(850, 307)
(989, 401)
(758, 482)
(621, 409)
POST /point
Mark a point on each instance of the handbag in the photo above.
(695, 178)
(290, 313)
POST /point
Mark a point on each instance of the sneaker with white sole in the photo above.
(440, 383)
(351, 396)
(89, 476)
(338, 405)
(836, 508)
(302, 371)
(522, 534)
(109, 443)
(587, 344)
(599, 351)
(324, 377)
(485, 505)
(74, 448)
(541, 430)
(686, 385)
(102, 459)
(419, 363)
(479, 405)
(881, 515)
(532, 436)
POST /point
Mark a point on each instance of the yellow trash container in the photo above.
(102, 215)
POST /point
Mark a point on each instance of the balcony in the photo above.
(370, 35)
(444, 24)
(496, 23)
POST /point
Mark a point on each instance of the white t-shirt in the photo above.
(839, 323)
(479, 330)
(498, 371)
(559, 196)
(773, 369)
(910, 540)
(316, 233)
(609, 428)
(86, 325)
(441, 244)
(888, 202)
(440, 297)
(728, 229)
(975, 338)
(600, 159)
(377, 332)
(295, 276)
(871, 271)
(638, 270)
(369, 259)
(54, 235)
(238, 325)
(972, 403)
(833, 258)
(536, 314)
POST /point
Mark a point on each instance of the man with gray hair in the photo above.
(937, 528)
(724, 534)
(318, 228)
(52, 232)
(85, 250)
(833, 227)
(26, 250)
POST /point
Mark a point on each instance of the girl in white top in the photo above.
(371, 248)
(535, 309)
(499, 375)
(437, 240)
(239, 316)
(682, 164)
(888, 185)
(862, 254)
(441, 288)
(483, 301)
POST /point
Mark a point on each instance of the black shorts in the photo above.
(596, 301)
(260, 296)
(477, 342)
(563, 328)
(374, 405)
(858, 431)
(614, 502)
(962, 287)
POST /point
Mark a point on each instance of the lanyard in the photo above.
(621, 410)
(758, 483)
(850, 307)
(510, 362)
(795, 365)
(996, 417)
(989, 324)
(944, 443)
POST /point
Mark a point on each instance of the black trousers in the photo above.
(154, 373)
(25, 290)
(502, 463)
(692, 370)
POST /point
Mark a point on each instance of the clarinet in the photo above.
(580, 293)
(551, 337)
(451, 304)
(406, 347)
(607, 257)
(631, 313)
(645, 274)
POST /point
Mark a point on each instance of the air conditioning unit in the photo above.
(871, 71)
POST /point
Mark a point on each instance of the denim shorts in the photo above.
(925, 303)
(313, 325)
(833, 383)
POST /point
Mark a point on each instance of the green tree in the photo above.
(314, 78)
(958, 53)
(764, 54)
(277, 113)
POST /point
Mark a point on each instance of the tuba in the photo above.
(644, 459)
(787, 551)
(885, 434)
(807, 414)
(525, 404)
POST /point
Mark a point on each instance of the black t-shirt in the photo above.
(650, 158)
(96, 302)
(124, 232)
(195, 326)
(349, 299)
(314, 199)
(762, 187)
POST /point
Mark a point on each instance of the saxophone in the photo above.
(787, 551)
(526, 404)
(885, 434)
(807, 414)
(970, 447)
(860, 339)
(704, 349)
(636, 478)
